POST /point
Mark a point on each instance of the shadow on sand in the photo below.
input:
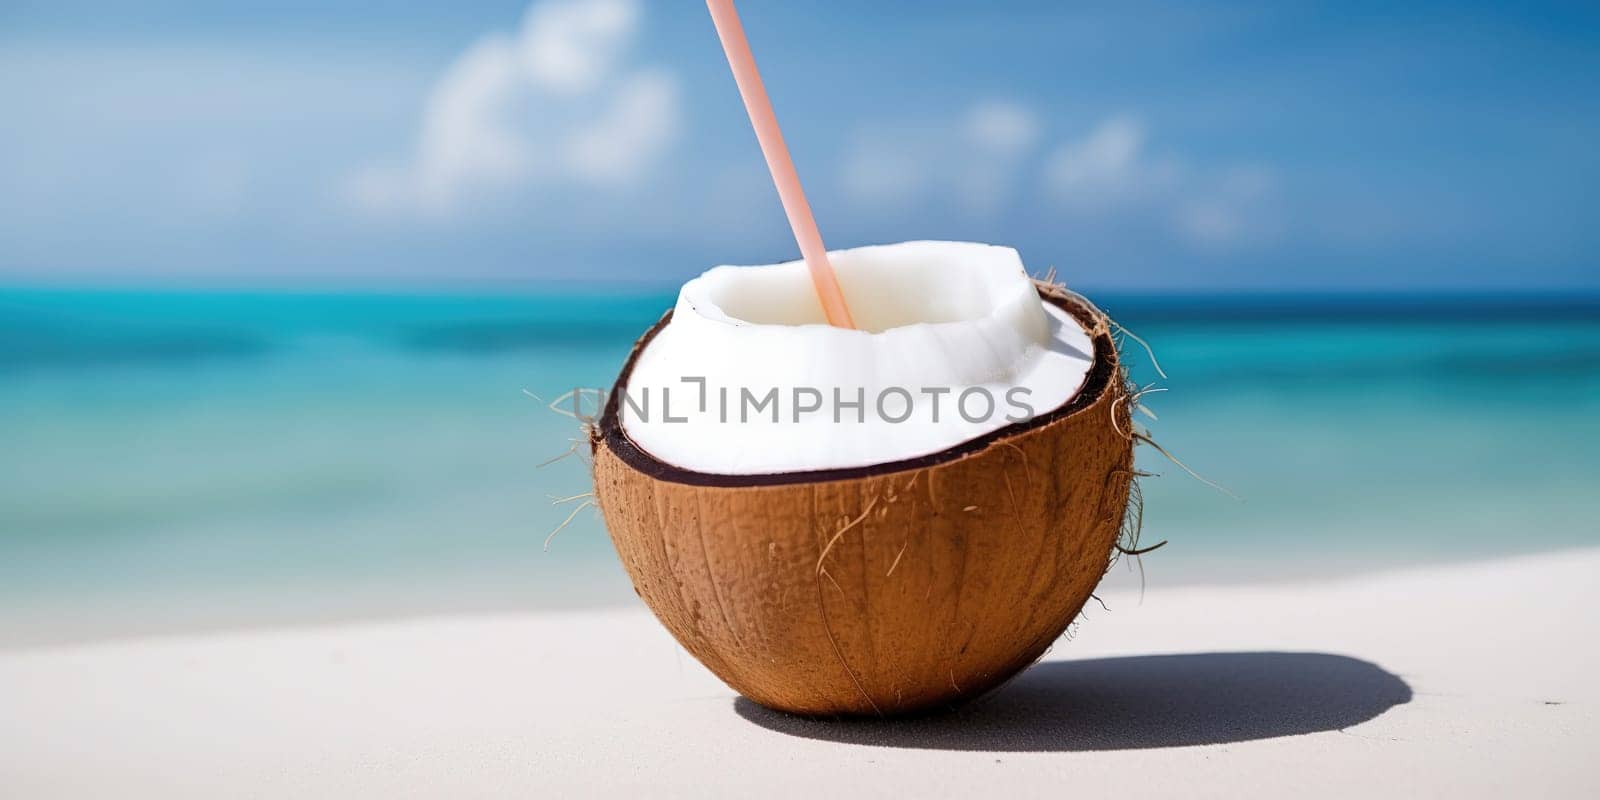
(1134, 703)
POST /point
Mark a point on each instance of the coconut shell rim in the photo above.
(610, 432)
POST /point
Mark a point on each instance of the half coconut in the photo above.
(869, 521)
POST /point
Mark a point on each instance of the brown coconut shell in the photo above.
(884, 589)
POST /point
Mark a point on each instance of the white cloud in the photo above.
(1111, 170)
(631, 134)
(572, 46)
(552, 105)
(1002, 128)
(974, 164)
(999, 137)
(988, 159)
(1108, 167)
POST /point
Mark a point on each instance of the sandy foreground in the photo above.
(1473, 680)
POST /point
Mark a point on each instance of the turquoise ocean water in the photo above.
(174, 460)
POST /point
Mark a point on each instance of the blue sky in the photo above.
(1144, 146)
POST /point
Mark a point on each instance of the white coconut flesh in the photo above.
(941, 326)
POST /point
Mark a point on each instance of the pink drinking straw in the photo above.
(779, 164)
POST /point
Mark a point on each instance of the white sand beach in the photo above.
(1472, 680)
